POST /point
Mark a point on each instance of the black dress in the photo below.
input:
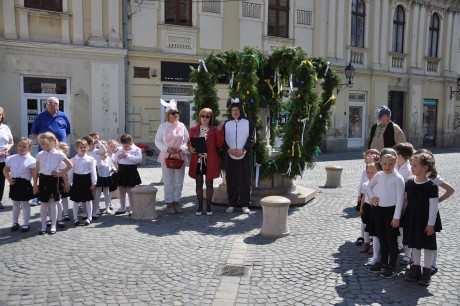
(417, 213)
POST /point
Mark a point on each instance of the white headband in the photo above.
(169, 106)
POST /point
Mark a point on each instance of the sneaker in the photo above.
(246, 210)
(406, 260)
(177, 208)
(372, 261)
(425, 279)
(359, 241)
(15, 227)
(388, 272)
(170, 208)
(434, 270)
(230, 209)
(60, 224)
(414, 273)
(377, 268)
(87, 222)
(35, 202)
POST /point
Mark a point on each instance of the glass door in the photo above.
(429, 122)
(356, 122)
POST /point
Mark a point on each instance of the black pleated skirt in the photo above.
(128, 176)
(21, 190)
(48, 188)
(81, 188)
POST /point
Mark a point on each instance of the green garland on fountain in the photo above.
(262, 80)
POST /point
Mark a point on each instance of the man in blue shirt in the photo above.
(51, 120)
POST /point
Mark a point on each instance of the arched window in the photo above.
(358, 17)
(434, 36)
(399, 22)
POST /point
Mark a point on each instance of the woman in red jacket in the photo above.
(204, 159)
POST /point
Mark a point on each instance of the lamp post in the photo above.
(350, 74)
(453, 92)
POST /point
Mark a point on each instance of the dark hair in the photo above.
(376, 165)
(427, 160)
(419, 151)
(405, 149)
(88, 139)
(92, 134)
(126, 139)
(81, 141)
(387, 152)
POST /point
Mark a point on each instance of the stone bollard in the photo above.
(333, 176)
(275, 213)
(144, 199)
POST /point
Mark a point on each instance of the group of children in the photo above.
(398, 203)
(98, 167)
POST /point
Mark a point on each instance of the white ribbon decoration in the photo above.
(168, 106)
(300, 170)
(288, 172)
(327, 69)
(201, 62)
(230, 84)
(304, 121)
(291, 86)
(275, 77)
(257, 174)
(236, 100)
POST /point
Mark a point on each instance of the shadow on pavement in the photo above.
(357, 285)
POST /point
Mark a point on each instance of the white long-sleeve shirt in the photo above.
(104, 166)
(83, 165)
(361, 182)
(389, 188)
(134, 156)
(405, 171)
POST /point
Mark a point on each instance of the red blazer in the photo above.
(214, 140)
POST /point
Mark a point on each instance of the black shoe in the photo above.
(60, 224)
(76, 222)
(94, 218)
(434, 270)
(15, 227)
(359, 241)
(120, 212)
(25, 228)
(48, 223)
(377, 268)
(87, 222)
(42, 231)
(52, 231)
(389, 272)
(66, 218)
(425, 279)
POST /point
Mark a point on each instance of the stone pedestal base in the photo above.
(144, 199)
(333, 178)
(275, 216)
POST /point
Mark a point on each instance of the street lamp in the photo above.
(350, 74)
(453, 92)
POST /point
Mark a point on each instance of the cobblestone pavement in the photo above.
(174, 259)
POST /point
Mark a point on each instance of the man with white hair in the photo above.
(385, 133)
(51, 120)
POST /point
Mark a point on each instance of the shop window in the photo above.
(48, 5)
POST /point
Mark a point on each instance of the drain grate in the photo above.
(232, 271)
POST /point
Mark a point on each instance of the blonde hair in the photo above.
(112, 141)
(63, 146)
(3, 117)
(27, 141)
(47, 137)
(80, 142)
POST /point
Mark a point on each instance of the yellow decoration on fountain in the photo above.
(247, 92)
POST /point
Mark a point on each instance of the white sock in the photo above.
(65, 206)
(407, 251)
(16, 211)
(59, 211)
(89, 209)
(107, 197)
(427, 258)
(375, 248)
(435, 257)
(25, 211)
(363, 226)
(400, 238)
(75, 210)
(416, 256)
(366, 237)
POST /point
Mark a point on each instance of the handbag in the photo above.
(174, 163)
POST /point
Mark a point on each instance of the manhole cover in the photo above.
(232, 271)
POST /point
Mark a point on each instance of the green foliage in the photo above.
(262, 80)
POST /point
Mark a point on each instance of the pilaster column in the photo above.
(376, 33)
(385, 43)
(114, 24)
(96, 38)
(449, 38)
(341, 31)
(331, 30)
(23, 24)
(422, 31)
(9, 22)
(77, 22)
(413, 36)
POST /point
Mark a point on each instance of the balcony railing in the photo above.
(398, 60)
(357, 55)
(432, 64)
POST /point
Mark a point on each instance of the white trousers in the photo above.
(173, 180)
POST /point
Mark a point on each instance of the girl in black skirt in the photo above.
(420, 217)
(104, 181)
(46, 175)
(127, 157)
(82, 179)
(18, 171)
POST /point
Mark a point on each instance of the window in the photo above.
(358, 15)
(398, 30)
(434, 36)
(278, 18)
(178, 12)
(49, 5)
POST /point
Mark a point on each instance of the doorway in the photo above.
(430, 113)
(396, 105)
(356, 122)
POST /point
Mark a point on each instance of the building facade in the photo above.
(71, 49)
(111, 61)
(406, 55)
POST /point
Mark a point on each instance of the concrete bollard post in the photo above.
(333, 179)
(275, 213)
(144, 200)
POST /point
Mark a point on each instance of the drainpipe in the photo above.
(125, 46)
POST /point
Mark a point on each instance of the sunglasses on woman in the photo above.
(174, 113)
(205, 116)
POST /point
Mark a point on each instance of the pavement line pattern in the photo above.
(227, 290)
